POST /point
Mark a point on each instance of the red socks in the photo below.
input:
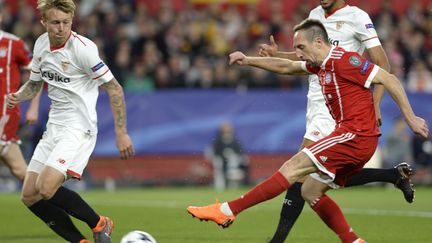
(266, 190)
(332, 215)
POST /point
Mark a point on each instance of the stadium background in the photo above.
(171, 58)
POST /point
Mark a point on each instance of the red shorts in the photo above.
(340, 155)
(9, 125)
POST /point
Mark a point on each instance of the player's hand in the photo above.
(12, 100)
(419, 126)
(238, 57)
(32, 116)
(125, 146)
(268, 50)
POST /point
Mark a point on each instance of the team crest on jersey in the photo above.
(3, 52)
(327, 78)
(355, 61)
(339, 24)
(65, 65)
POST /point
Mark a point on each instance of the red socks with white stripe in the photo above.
(266, 190)
(332, 215)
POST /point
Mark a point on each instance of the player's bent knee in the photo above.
(29, 200)
(46, 192)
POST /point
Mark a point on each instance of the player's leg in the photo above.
(74, 148)
(313, 192)
(292, 207)
(56, 218)
(49, 187)
(400, 176)
(14, 159)
(291, 171)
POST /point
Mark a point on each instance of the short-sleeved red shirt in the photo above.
(13, 56)
(345, 79)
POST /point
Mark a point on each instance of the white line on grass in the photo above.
(174, 204)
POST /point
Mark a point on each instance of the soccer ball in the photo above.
(138, 236)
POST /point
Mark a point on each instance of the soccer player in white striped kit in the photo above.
(71, 66)
(352, 29)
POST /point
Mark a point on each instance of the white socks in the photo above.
(227, 210)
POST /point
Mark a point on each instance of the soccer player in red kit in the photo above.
(14, 56)
(345, 78)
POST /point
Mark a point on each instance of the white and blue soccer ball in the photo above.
(138, 236)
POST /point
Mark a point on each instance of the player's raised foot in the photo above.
(211, 212)
(102, 231)
(84, 241)
(359, 241)
(404, 181)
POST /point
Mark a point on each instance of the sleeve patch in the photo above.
(98, 66)
(365, 67)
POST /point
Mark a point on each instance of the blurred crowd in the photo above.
(152, 44)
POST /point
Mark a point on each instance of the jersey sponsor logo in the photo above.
(365, 67)
(97, 66)
(334, 42)
(3, 52)
(61, 161)
(369, 26)
(355, 61)
(55, 77)
(339, 24)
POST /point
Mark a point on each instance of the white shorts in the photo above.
(319, 122)
(63, 148)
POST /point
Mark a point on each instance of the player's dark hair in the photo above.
(313, 28)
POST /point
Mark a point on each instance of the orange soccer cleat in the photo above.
(211, 212)
(102, 231)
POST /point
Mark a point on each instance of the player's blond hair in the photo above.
(67, 6)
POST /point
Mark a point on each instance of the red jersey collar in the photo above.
(53, 48)
(326, 15)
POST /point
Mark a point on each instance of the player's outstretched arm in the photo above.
(28, 91)
(271, 50)
(273, 64)
(393, 85)
(118, 107)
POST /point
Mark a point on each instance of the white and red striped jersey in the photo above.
(14, 55)
(348, 27)
(345, 78)
(73, 73)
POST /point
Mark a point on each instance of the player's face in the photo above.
(305, 49)
(328, 5)
(58, 25)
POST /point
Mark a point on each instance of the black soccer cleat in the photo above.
(404, 181)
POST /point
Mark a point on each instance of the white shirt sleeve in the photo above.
(365, 30)
(93, 64)
(35, 73)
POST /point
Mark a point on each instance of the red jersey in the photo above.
(13, 56)
(345, 79)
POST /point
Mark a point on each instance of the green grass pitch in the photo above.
(377, 214)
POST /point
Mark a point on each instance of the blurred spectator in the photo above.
(139, 80)
(422, 151)
(397, 147)
(419, 78)
(230, 164)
